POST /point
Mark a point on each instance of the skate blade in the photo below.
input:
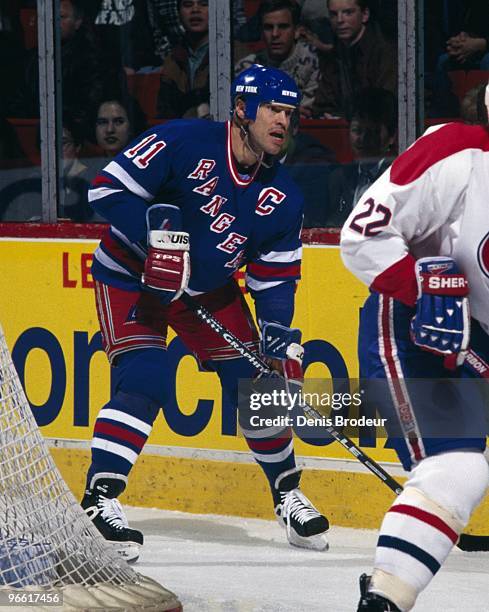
(316, 542)
(129, 551)
(281, 521)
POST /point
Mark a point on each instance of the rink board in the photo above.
(48, 315)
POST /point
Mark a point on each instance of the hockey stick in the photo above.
(476, 363)
(263, 368)
(466, 542)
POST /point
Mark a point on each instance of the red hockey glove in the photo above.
(167, 265)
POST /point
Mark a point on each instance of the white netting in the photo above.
(46, 540)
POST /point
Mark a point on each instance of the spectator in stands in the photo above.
(83, 76)
(318, 35)
(77, 175)
(125, 34)
(317, 26)
(361, 58)
(117, 121)
(467, 48)
(10, 149)
(308, 162)
(11, 50)
(185, 73)
(373, 129)
(20, 191)
(313, 10)
(473, 109)
(20, 182)
(166, 27)
(314, 14)
(279, 25)
(168, 30)
(383, 14)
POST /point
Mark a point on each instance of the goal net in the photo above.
(49, 550)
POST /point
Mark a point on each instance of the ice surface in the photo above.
(229, 564)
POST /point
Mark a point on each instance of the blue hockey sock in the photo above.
(121, 430)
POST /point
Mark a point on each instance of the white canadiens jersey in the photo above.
(433, 200)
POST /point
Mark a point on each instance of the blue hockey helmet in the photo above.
(262, 84)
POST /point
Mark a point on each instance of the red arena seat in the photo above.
(145, 87)
(457, 78)
(251, 7)
(28, 20)
(27, 131)
(463, 81)
(332, 133)
(474, 78)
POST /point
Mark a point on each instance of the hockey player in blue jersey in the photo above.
(237, 206)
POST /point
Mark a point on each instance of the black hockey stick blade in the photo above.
(473, 543)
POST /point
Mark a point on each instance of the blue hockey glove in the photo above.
(167, 265)
(282, 350)
(276, 339)
(442, 321)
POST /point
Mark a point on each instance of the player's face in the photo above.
(347, 19)
(194, 15)
(113, 129)
(279, 33)
(269, 130)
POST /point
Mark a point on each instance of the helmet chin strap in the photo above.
(246, 140)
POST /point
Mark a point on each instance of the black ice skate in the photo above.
(305, 526)
(370, 602)
(104, 510)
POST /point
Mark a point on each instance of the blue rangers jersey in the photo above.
(232, 219)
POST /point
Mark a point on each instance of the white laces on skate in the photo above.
(295, 505)
(295, 513)
(111, 511)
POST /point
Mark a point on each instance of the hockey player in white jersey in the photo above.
(419, 238)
